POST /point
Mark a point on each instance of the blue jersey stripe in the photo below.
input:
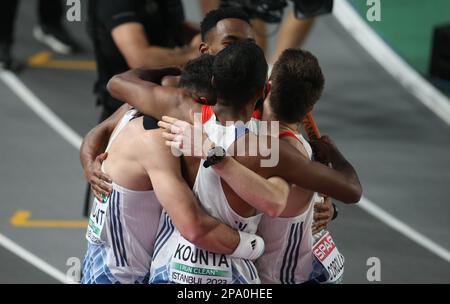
(162, 232)
(165, 238)
(291, 231)
(124, 252)
(111, 212)
(115, 226)
(291, 253)
(252, 275)
(297, 251)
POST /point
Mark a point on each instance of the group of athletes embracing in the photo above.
(241, 210)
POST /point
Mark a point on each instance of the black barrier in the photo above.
(272, 11)
(440, 54)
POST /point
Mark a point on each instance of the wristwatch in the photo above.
(215, 156)
(335, 212)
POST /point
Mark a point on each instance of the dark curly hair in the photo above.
(215, 16)
(239, 71)
(197, 75)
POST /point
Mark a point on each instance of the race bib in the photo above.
(97, 220)
(192, 265)
(327, 254)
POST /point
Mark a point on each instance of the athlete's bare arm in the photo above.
(91, 152)
(266, 195)
(340, 182)
(271, 195)
(139, 88)
(179, 201)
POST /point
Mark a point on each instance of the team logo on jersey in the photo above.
(240, 226)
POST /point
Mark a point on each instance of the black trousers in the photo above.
(50, 14)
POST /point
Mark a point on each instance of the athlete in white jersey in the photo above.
(139, 160)
(175, 259)
(121, 232)
(232, 80)
(288, 257)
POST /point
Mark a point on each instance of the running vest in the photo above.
(288, 257)
(179, 261)
(121, 232)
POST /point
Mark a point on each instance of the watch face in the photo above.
(335, 212)
(219, 151)
(215, 156)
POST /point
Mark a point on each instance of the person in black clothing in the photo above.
(137, 33)
(49, 31)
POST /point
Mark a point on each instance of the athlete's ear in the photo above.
(204, 48)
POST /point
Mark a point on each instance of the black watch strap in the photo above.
(215, 156)
(335, 212)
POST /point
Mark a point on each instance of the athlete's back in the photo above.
(288, 257)
(177, 260)
(122, 229)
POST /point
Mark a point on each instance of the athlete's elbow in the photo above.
(113, 86)
(275, 209)
(273, 213)
(193, 233)
(354, 195)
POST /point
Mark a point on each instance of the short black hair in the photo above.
(239, 71)
(297, 84)
(215, 16)
(197, 75)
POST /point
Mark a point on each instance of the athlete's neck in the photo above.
(269, 116)
(293, 127)
(228, 113)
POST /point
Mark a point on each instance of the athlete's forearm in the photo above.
(139, 89)
(214, 236)
(151, 75)
(312, 175)
(271, 195)
(191, 220)
(340, 164)
(123, 86)
(329, 182)
(217, 237)
(94, 143)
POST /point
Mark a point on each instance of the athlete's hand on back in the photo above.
(323, 214)
(100, 182)
(190, 139)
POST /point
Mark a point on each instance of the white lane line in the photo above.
(34, 260)
(60, 127)
(44, 112)
(414, 83)
(390, 61)
(404, 229)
